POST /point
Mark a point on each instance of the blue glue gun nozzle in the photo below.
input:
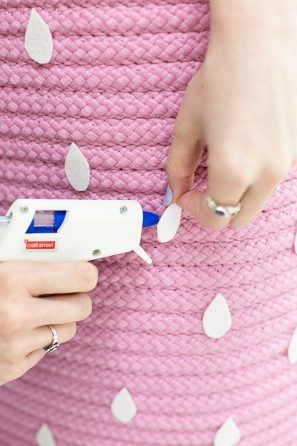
(149, 219)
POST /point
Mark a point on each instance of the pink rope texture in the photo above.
(114, 86)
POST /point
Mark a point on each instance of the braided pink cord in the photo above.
(114, 86)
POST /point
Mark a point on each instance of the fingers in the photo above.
(42, 337)
(33, 358)
(226, 185)
(256, 197)
(182, 162)
(229, 185)
(187, 142)
(60, 309)
(41, 278)
(195, 203)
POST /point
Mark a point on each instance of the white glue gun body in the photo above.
(72, 230)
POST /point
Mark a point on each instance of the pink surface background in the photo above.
(113, 87)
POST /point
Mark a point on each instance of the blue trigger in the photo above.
(149, 219)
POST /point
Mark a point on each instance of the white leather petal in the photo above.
(44, 437)
(292, 350)
(123, 406)
(228, 434)
(217, 318)
(77, 169)
(38, 39)
(169, 223)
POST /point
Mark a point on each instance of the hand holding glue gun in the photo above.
(41, 300)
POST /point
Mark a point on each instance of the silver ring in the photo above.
(55, 343)
(223, 210)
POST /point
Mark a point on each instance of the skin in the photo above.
(40, 294)
(242, 105)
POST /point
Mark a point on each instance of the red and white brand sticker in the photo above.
(40, 244)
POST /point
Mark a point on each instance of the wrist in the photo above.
(265, 16)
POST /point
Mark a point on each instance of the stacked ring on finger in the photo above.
(55, 342)
(223, 210)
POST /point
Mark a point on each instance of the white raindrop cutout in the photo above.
(123, 406)
(292, 350)
(38, 39)
(217, 318)
(169, 223)
(44, 437)
(228, 434)
(77, 169)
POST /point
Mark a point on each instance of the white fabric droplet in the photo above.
(217, 318)
(123, 406)
(292, 350)
(38, 39)
(77, 169)
(44, 437)
(228, 434)
(143, 254)
(169, 223)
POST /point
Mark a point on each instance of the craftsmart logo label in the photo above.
(40, 244)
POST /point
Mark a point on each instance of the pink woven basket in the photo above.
(114, 85)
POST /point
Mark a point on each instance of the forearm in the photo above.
(268, 16)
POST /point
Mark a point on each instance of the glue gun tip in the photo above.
(149, 219)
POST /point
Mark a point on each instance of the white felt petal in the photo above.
(169, 223)
(143, 254)
(77, 169)
(228, 434)
(292, 350)
(44, 437)
(38, 39)
(123, 406)
(217, 318)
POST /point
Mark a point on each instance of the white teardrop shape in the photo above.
(123, 406)
(217, 318)
(169, 223)
(44, 437)
(38, 39)
(77, 169)
(292, 350)
(228, 434)
(143, 254)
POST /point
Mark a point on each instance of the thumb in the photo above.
(187, 143)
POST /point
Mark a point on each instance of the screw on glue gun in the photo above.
(69, 230)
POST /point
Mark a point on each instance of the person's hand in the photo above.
(34, 295)
(242, 105)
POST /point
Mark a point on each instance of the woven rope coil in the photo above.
(114, 87)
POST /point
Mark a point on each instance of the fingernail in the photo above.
(168, 196)
(277, 188)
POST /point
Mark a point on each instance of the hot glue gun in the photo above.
(70, 230)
